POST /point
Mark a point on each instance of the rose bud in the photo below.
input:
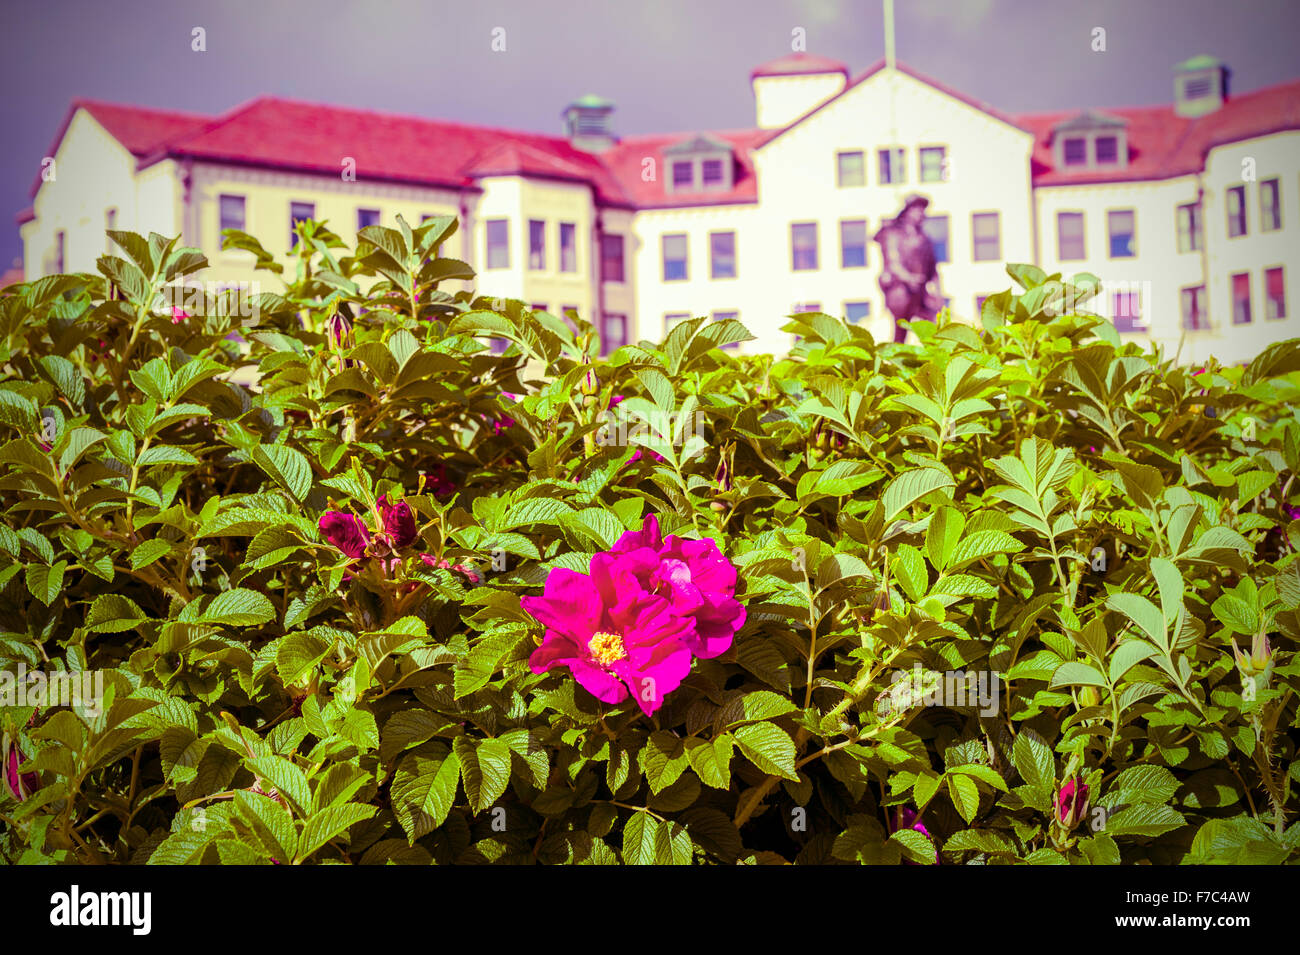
(1072, 804)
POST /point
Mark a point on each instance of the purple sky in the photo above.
(668, 64)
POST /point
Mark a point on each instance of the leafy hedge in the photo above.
(311, 552)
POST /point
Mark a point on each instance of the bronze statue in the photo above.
(909, 278)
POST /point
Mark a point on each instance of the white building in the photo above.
(1187, 211)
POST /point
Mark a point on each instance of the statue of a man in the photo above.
(909, 279)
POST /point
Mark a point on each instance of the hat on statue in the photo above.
(915, 199)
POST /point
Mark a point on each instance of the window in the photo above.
(1270, 205)
(932, 163)
(1189, 227)
(1241, 298)
(231, 212)
(1197, 87)
(857, 312)
(808, 307)
(1236, 211)
(674, 252)
(853, 243)
(722, 255)
(1193, 300)
(711, 174)
(1069, 236)
(611, 258)
(803, 246)
(538, 306)
(498, 243)
(979, 304)
(60, 250)
(613, 332)
(536, 245)
(730, 316)
(1076, 151)
(1107, 148)
(891, 166)
(569, 313)
(851, 169)
(986, 227)
(683, 174)
(367, 217)
(568, 247)
(672, 319)
(1275, 294)
(498, 346)
(936, 227)
(1120, 224)
(298, 212)
(1127, 312)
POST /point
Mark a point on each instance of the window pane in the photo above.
(1236, 211)
(536, 244)
(856, 312)
(891, 166)
(932, 164)
(1270, 206)
(1076, 151)
(1193, 301)
(498, 243)
(936, 228)
(674, 247)
(683, 174)
(298, 212)
(613, 332)
(803, 246)
(1189, 227)
(1069, 229)
(1241, 298)
(1121, 225)
(711, 170)
(852, 169)
(367, 217)
(568, 247)
(1107, 149)
(611, 258)
(1275, 289)
(986, 227)
(722, 253)
(1127, 312)
(232, 212)
(853, 243)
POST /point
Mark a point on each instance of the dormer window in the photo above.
(1197, 87)
(700, 164)
(1200, 86)
(1089, 140)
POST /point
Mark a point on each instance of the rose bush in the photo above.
(361, 590)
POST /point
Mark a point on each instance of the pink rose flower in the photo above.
(21, 785)
(694, 576)
(347, 532)
(614, 637)
(399, 522)
(1072, 803)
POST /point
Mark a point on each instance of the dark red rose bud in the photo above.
(345, 531)
(1072, 804)
(399, 522)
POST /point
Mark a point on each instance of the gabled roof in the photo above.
(1089, 119)
(799, 64)
(1163, 144)
(138, 128)
(627, 162)
(698, 143)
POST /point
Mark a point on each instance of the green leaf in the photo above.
(289, 468)
(238, 608)
(965, 795)
(287, 778)
(910, 486)
(46, 583)
(1144, 819)
(1033, 760)
(330, 823)
(424, 789)
(485, 769)
(1074, 673)
(112, 613)
(768, 747)
(711, 759)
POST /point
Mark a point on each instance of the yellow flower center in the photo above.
(607, 648)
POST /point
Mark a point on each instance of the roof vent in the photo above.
(1200, 86)
(586, 123)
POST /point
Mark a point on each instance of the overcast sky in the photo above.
(668, 64)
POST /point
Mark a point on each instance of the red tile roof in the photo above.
(627, 162)
(288, 134)
(1161, 143)
(797, 64)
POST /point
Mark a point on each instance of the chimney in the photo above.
(1200, 86)
(586, 123)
